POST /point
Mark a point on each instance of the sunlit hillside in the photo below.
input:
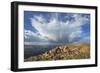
(67, 52)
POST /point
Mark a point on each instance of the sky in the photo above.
(56, 28)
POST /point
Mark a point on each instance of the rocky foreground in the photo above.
(67, 52)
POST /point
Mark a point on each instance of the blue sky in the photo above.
(56, 28)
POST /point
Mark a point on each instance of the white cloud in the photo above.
(77, 33)
(33, 37)
(56, 30)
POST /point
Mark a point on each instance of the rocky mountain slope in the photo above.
(66, 52)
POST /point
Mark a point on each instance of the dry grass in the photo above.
(67, 52)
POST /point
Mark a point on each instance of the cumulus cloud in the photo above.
(33, 37)
(56, 30)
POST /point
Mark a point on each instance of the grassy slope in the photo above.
(67, 52)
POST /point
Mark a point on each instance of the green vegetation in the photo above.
(67, 52)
